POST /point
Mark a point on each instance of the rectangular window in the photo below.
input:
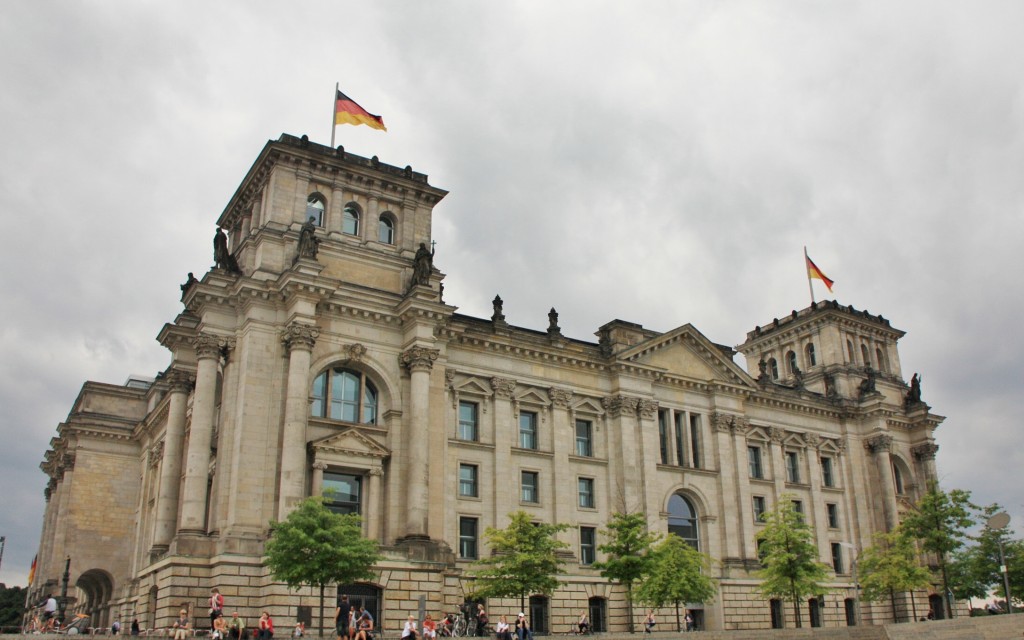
(754, 461)
(837, 557)
(468, 481)
(586, 492)
(759, 508)
(695, 440)
(798, 506)
(663, 435)
(528, 487)
(827, 477)
(833, 515)
(588, 545)
(792, 467)
(342, 492)
(467, 538)
(468, 425)
(528, 430)
(680, 434)
(584, 438)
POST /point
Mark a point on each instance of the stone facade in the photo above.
(344, 367)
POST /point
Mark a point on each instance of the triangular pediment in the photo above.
(686, 352)
(474, 386)
(533, 396)
(588, 405)
(351, 442)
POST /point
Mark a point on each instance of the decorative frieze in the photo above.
(419, 358)
(776, 434)
(813, 440)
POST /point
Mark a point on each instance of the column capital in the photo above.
(320, 465)
(741, 425)
(300, 336)
(419, 358)
(648, 408)
(180, 381)
(156, 454)
(618, 405)
(560, 397)
(879, 443)
(208, 345)
(503, 387)
(925, 451)
(813, 440)
(777, 434)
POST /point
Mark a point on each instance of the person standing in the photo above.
(135, 627)
(181, 626)
(343, 617)
(481, 620)
(115, 628)
(216, 606)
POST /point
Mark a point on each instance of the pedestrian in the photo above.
(364, 625)
(135, 627)
(343, 617)
(181, 626)
(216, 606)
(49, 612)
(481, 620)
(523, 627)
(115, 628)
(650, 622)
(300, 629)
(689, 620)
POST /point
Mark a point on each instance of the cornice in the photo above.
(533, 352)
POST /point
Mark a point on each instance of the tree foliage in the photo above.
(678, 574)
(974, 569)
(792, 570)
(314, 546)
(628, 553)
(524, 560)
(891, 566)
(12, 605)
(939, 522)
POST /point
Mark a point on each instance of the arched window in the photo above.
(342, 394)
(865, 356)
(315, 209)
(809, 354)
(791, 362)
(853, 354)
(386, 230)
(350, 219)
(773, 367)
(897, 479)
(880, 359)
(682, 520)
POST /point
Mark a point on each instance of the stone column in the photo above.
(622, 424)
(925, 454)
(376, 498)
(722, 424)
(170, 468)
(817, 506)
(880, 446)
(505, 430)
(419, 361)
(197, 460)
(334, 208)
(744, 496)
(563, 445)
(777, 458)
(647, 457)
(298, 340)
(317, 487)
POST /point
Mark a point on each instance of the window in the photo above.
(851, 352)
(315, 209)
(663, 435)
(778, 615)
(585, 487)
(584, 438)
(827, 477)
(386, 230)
(467, 538)
(754, 461)
(588, 545)
(865, 356)
(468, 481)
(468, 421)
(792, 467)
(337, 393)
(680, 433)
(342, 492)
(897, 478)
(682, 520)
(759, 508)
(350, 219)
(773, 366)
(832, 510)
(791, 362)
(528, 430)
(837, 557)
(528, 487)
(695, 440)
(798, 506)
(850, 607)
(809, 354)
(880, 359)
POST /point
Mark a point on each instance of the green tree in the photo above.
(524, 560)
(678, 573)
(314, 546)
(939, 521)
(628, 553)
(974, 569)
(790, 557)
(891, 566)
(12, 605)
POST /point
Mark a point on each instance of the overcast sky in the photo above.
(658, 162)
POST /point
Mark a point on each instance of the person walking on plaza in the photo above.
(343, 617)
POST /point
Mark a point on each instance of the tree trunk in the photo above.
(678, 628)
(892, 601)
(945, 587)
(913, 605)
(629, 606)
(796, 612)
(321, 611)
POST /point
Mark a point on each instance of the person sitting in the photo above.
(429, 628)
(364, 625)
(266, 626)
(182, 626)
(650, 622)
(502, 630)
(583, 624)
(409, 630)
(523, 628)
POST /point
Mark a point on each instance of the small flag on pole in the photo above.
(346, 111)
(32, 571)
(814, 272)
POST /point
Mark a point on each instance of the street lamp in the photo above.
(856, 586)
(998, 522)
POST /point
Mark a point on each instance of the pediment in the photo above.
(686, 352)
(757, 433)
(588, 405)
(533, 396)
(351, 442)
(474, 386)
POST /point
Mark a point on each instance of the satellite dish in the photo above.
(998, 521)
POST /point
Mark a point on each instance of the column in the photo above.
(298, 341)
(170, 468)
(777, 459)
(197, 460)
(925, 454)
(730, 526)
(563, 445)
(332, 217)
(505, 429)
(647, 458)
(880, 446)
(419, 361)
(376, 498)
(741, 473)
(817, 506)
(622, 424)
(317, 487)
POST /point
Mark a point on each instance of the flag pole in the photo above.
(810, 287)
(334, 107)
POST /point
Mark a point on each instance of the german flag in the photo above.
(32, 571)
(346, 111)
(814, 272)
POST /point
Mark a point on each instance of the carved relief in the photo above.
(879, 443)
(619, 405)
(355, 352)
(300, 336)
(560, 397)
(776, 434)
(741, 425)
(503, 387)
(648, 409)
(419, 358)
(721, 421)
(813, 440)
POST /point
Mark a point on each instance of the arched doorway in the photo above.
(96, 586)
(938, 607)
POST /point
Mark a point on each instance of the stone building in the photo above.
(319, 353)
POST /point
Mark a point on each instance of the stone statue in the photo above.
(222, 258)
(553, 322)
(914, 394)
(830, 386)
(497, 316)
(308, 242)
(762, 371)
(867, 385)
(422, 266)
(188, 283)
